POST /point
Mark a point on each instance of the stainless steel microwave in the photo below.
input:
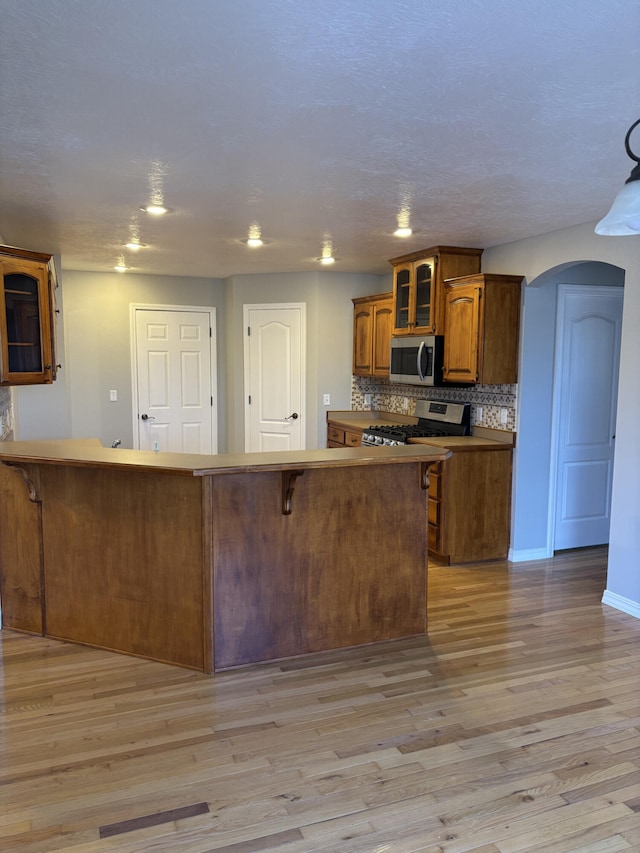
(417, 360)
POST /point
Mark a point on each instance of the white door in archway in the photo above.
(274, 377)
(589, 324)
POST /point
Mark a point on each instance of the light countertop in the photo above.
(92, 454)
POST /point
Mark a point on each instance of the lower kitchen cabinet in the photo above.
(339, 437)
(469, 501)
(470, 506)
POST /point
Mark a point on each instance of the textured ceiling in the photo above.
(485, 120)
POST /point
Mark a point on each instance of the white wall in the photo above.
(533, 258)
(96, 313)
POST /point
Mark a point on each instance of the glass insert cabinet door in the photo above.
(423, 276)
(25, 323)
(402, 290)
(22, 310)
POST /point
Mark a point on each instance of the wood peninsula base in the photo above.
(214, 562)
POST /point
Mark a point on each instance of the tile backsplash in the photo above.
(489, 403)
(6, 414)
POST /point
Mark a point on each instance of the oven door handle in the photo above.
(419, 362)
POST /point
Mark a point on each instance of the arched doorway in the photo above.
(533, 525)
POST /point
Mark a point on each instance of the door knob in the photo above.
(293, 417)
(147, 417)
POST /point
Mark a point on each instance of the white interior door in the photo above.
(174, 379)
(274, 377)
(588, 360)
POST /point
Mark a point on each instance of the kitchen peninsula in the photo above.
(212, 562)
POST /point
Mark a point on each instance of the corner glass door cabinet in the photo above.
(26, 354)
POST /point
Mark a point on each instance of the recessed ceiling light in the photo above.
(134, 246)
(403, 216)
(121, 267)
(156, 209)
(254, 236)
(327, 257)
(254, 242)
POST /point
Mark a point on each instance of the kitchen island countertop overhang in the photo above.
(168, 557)
(90, 452)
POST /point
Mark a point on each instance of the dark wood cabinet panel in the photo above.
(21, 578)
(209, 562)
(289, 593)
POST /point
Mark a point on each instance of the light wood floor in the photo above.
(514, 727)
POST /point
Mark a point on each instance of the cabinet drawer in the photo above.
(334, 444)
(353, 439)
(434, 538)
(334, 434)
(435, 481)
(434, 511)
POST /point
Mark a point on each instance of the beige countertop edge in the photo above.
(83, 454)
(461, 443)
(360, 420)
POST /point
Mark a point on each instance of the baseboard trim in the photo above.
(525, 556)
(619, 602)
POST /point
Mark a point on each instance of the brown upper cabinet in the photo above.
(372, 325)
(27, 348)
(482, 321)
(418, 286)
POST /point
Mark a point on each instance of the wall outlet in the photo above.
(478, 414)
(326, 399)
(504, 416)
(367, 400)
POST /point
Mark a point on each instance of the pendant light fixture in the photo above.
(624, 216)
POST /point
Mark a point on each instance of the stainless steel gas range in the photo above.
(435, 418)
